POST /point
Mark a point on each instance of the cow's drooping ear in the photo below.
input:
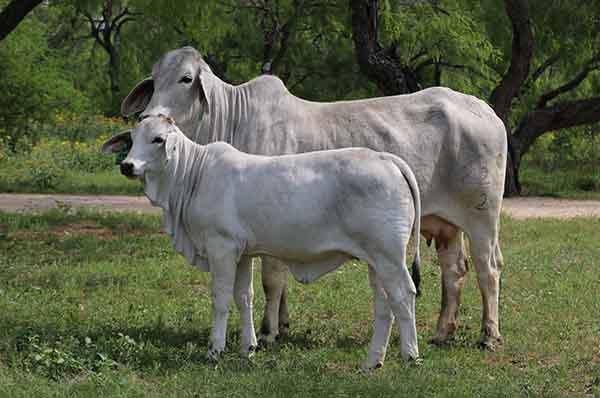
(138, 98)
(208, 83)
(117, 142)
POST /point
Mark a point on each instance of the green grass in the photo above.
(569, 180)
(99, 305)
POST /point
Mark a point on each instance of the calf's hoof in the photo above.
(213, 355)
(249, 352)
(414, 362)
(369, 366)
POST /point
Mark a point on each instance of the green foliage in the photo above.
(53, 75)
(445, 32)
(61, 162)
(100, 305)
(33, 85)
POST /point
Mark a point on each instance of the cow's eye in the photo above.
(186, 79)
(158, 140)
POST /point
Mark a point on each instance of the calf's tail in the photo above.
(410, 178)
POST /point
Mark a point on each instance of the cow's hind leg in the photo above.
(244, 294)
(487, 257)
(452, 260)
(382, 324)
(401, 293)
(274, 279)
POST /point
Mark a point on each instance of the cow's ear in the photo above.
(208, 83)
(117, 142)
(138, 98)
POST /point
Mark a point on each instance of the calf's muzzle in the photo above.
(127, 169)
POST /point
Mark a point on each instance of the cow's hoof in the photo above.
(441, 341)
(490, 343)
(284, 329)
(369, 367)
(266, 342)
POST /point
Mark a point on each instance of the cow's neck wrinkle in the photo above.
(174, 191)
(181, 177)
(227, 111)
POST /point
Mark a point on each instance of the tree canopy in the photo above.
(535, 61)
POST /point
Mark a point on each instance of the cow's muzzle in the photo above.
(127, 169)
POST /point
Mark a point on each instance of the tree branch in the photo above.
(544, 66)
(14, 13)
(571, 85)
(383, 68)
(555, 117)
(522, 52)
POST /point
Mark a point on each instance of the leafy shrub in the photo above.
(588, 183)
(62, 356)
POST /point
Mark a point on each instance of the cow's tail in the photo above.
(410, 178)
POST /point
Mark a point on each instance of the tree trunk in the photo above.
(13, 14)
(114, 75)
(379, 65)
(509, 87)
(512, 184)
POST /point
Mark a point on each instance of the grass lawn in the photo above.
(99, 305)
(570, 181)
(76, 182)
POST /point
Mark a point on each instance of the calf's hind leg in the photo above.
(382, 324)
(401, 293)
(244, 294)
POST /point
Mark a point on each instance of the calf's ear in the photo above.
(137, 100)
(116, 143)
(171, 145)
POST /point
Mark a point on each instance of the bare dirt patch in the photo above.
(82, 228)
(519, 208)
(33, 202)
(539, 207)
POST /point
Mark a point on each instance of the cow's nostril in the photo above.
(127, 169)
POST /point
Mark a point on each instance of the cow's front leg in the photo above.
(244, 295)
(274, 279)
(223, 274)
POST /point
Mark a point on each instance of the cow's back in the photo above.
(454, 142)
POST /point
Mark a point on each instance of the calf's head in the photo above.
(152, 143)
(180, 87)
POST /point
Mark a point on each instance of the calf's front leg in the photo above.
(223, 276)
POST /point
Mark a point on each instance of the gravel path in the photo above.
(520, 208)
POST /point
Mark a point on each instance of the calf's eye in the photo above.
(186, 79)
(158, 140)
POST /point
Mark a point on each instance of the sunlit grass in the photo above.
(100, 305)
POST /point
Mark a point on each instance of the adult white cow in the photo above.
(455, 144)
(314, 210)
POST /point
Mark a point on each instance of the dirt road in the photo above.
(520, 208)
